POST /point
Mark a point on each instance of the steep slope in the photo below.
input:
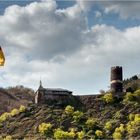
(7, 101)
(116, 112)
(13, 97)
(22, 93)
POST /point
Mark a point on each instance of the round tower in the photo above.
(116, 79)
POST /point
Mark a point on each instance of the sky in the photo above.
(68, 44)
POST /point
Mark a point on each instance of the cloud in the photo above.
(85, 5)
(98, 14)
(125, 9)
(41, 30)
(56, 44)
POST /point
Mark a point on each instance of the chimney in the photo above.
(116, 79)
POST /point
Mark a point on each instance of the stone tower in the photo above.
(116, 79)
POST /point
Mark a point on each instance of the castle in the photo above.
(62, 96)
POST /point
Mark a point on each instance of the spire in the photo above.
(40, 85)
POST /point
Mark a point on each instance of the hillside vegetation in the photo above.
(91, 117)
(107, 118)
(132, 83)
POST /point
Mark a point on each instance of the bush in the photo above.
(137, 93)
(99, 133)
(60, 134)
(14, 112)
(128, 97)
(137, 118)
(131, 117)
(133, 125)
(69, 110)
(130, 129)
(108, 98)
(4, 116)
(77, 115)
(80, 135)
(22, 108)
(117, 135)
(119, 132)
(45, 128)
(121, 128)
(108, 126)
(91, 123)
(118, 115)
(72, 133)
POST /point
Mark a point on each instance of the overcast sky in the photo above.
(69, 44)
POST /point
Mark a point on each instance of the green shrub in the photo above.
(69, 110)
(137, 93)
(4, 116)
(72, 133)
(131, 117)
(108, 126)
(119, 132)
(137, 118)
(77, 115)
(81, 135)
(91, 123)
(130, 128)
(99, 133)
(108, 98)
(14, 112)
(133, 126)
(22, 108)
(45, 129)
(121, 129)
(118, 115)
(128, 97)
(60, 134)
(117, 135)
